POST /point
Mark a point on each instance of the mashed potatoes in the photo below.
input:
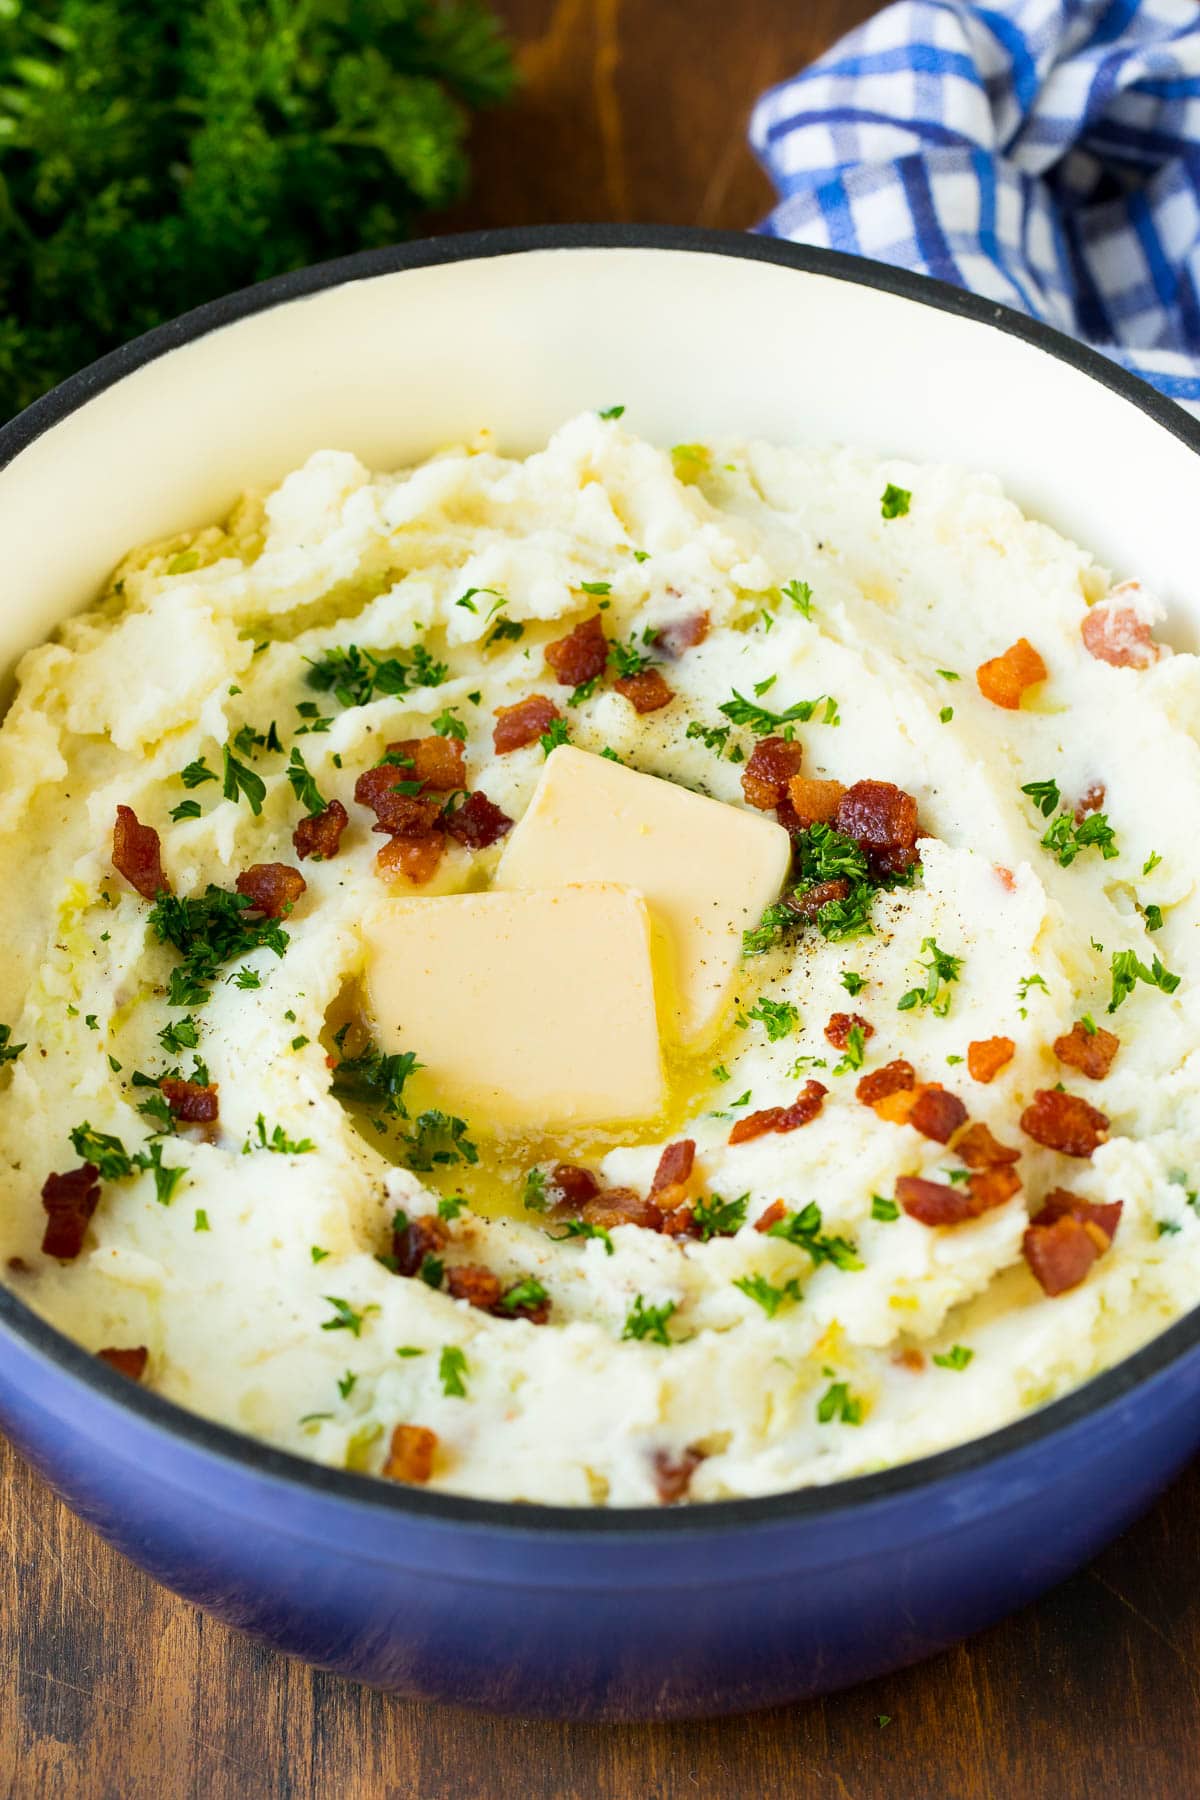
(247, 1145)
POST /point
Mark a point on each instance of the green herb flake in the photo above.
(317, 1254)
(764, 723)
(765, 1294)
(838, 1404)
(195, 773)
(800, 595)
(1128, 970)
(239, 780)
(893, 504)
(779, 1018)
(957, 1357)
(346, 1317)
(447, 725)
(803, 1229)
(886, 1211)
(452, 1367)
(278, 1142)
(715, 1217)
(187, 809)
(648, 1322)
(942, 970)
(611, 412)
(201, 1221)
(1151, 862)
(557, 733)
(583, 1228)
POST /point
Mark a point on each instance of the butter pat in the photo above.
(528, 1010)
(707, 871)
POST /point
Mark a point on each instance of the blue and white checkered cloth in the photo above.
(1044, 153)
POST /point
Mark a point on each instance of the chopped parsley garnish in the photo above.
(763, 723)
(779, 1018)
(278, 1142)
(856, 1039)
(627, 659)
(179, 1035)
(446, 725)
(800, 595)
(713, 737)
(354, 676)
(715, 1217)
(804, 1230)
(555, 735)
(893, 504)
(596, 587)
(408, 1350)
(1163, 1228)
(346, 1317)
(1065, 839)
(886, 1211)
(720, 1073)
(375, 1079)
(583, 692)
(583, 1228)
(526, 1293)
(534, 1191)
(1153, 916)
(1151, 862)
(504, 631)
(187, 809)
(1025, 984)
(201, 1221)
(451, 1205)
(765, 686)
(1128, 970)
(437, 1139)
(9, 1051)
(837, 1403)
(317, 1254)
(303, 785)
(853, 984)
(821, 854)
(246, 740)
(431, 1271)
(452, 1366)
(314, 721)
(648, 1321)
(242, 780)
(766, 1295)
(114, 1162)
(957, 1357)
(942, 969)
(195, 773)
(346, 1384)
(246, 978)
(1044, 794)
(948, 674)
(611, 412)
(946, 714)
(207, 930)
(467, 600)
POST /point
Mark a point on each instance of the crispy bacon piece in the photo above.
(1119, 636)
(131, 1363)
(776, 1211)
(673, 1471)
(894, 1078)
(1091, 1052)
(842, 1024)
(1060, 1254)
(992, 1187)
(581, 655)
(69, 1201)
(439, 763)
(622, 1206)
(1004, 678)
(410, 1455)
(678, 635)
(137, 854)
(802, 1111)
(410, 814)
(938, 1203)
(979, 1149)
(987, 1056)
(1106, 1215)
(536, 1311)
(937, 1114)
(478, 823)
(882, 820)
(647, 692)
(766, 776)
(471, 1281)
(1005, 877)
(191, 1102)
(669, 1187)
(1064, 1122)
(422, 1237)
(1091, 801)
(523, 723)
(416, 858)
(814, 802)
(680, 1223)
(571, 1187)
(271, 888)
(809, 904)
(320, 834)
(909, 1358)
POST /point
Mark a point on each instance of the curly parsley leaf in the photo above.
(208, 930)
(765, 1294)
(715, 1217)
(648, 1322)
(375, 1079)
(303, 785)
(1128, 969)
(894, 501)
(803, 1229)
(838, 1404)
(942, 970)
(764, 723)
(452, 1367)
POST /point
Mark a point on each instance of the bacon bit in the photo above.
(937, 1114)
(911, 1359)
(1118, 636)
(814, 802)
(523, 723)
(809, 904)
(1064, 1122)
(766, 776)
(416, 858)
(776, 1211)
(478, 823)
(1091, 1052)
(581, 655)
(421, 1237)
(271, 888)
(137, 855)
(897, 1109)
(680, 1223)
(69, 1201)
(979, 1149)
(571, 1187)
(622, 1206)
(673, 1473)
(782, 1118)
(1005, 877)
(992, 1187)
(471, 1281)
(407, 814)
(987, 1056)
(410, 1455)
(669, 1187)
(882, 820)
(842, 1024)
(647, 692)
(894, 1078)
(1091, 802)
(678, 635)
(131, 1363)
(537, 1312)
(937, 1203)
(1060, 1255)
(437, 762)
(1106, 1215)
(1004, 678)
(320, 834)
(191, 1102)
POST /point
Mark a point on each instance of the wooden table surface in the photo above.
(632, 109)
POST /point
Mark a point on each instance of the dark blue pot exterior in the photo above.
(676, 1614)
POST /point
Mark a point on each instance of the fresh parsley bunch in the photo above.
(155, 155)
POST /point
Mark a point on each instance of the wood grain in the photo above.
(114, 1690)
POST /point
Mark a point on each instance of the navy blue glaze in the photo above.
(590, 1614)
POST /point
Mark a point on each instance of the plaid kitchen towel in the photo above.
(1045, 153)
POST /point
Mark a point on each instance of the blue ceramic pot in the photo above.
(590, 1614)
